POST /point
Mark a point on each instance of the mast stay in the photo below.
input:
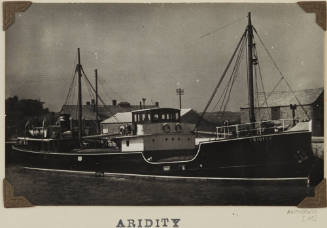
(220, 80)
(252, 61)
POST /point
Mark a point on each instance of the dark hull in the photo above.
(285, 155)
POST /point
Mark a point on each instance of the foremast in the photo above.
(80, 108)
(96, 100)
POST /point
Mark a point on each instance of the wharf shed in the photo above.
(278, 106)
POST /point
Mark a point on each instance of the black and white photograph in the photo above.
(164, 104)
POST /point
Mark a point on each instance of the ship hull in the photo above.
(266, 155)
(284, 155)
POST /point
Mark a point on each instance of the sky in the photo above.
(149, 50)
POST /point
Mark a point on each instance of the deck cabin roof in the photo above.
(103, 111)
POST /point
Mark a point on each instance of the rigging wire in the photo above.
(221, 79)
(72, 83)
(89, 90)
(262, 85)
(76, 111)
(282, 75)
(224, 94)
(247, 73)
(103, 91)
(92, 97)
(73, 97)
(70, 90)
(257, 91)
(222, 27)
(88, 81)
(236, 73)
(275, 87)
(260, 74)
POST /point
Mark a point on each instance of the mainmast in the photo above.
(79, 71)
(250, 69)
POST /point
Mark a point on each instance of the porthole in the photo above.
(178, 138)
(188, 139)
(166, 139)
(153, 140)
(173, 139)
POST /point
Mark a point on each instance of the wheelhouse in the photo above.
(156, 115)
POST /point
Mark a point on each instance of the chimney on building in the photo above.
(93, 104)
(114, 102)
(143, 100)
(140, 104)
(157, 104)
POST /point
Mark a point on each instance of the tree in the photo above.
(18, 112)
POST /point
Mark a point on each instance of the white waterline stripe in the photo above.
(75, 153)
(210, 178)
(172, 177)
(60, 170)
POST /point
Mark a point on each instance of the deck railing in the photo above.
(256, 128)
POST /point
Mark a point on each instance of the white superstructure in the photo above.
(157, 129)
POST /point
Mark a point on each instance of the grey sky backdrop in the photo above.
(148, 50)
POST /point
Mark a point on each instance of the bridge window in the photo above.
(127, 142)
(147, 117)
(177, 116)
(155, 117)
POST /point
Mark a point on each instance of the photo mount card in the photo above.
(133, 104)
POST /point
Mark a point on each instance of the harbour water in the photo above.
(58, 188)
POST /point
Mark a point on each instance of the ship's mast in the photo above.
(250, 70)
(96, 98)
(79, 71)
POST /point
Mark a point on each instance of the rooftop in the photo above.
(104, 111)
(285, 98)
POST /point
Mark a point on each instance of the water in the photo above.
(57, 188)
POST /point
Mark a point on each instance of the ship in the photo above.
(157, 142)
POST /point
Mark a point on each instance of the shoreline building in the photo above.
(280, 105)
